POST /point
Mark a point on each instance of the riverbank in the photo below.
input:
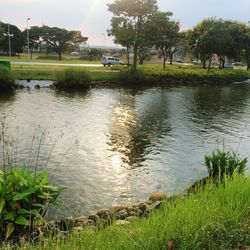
(149, 75)
(214, 218)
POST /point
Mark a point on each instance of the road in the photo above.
(57, 64)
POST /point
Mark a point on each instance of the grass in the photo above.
(71, 79)
(149, 74)
(7, 79)
(215, 218)
(48, 58)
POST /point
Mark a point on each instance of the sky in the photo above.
(92, 18)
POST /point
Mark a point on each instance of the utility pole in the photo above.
(9, 39)
(28, 38)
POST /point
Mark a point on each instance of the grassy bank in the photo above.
(216, 218)
(149, 74)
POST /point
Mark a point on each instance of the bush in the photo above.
(132, 76)
(7, 79)
(72, 80)
(222, 163)
(24, 199)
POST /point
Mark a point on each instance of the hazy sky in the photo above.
(93, 19)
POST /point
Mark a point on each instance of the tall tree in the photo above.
(164, 33)
(16, 39)
(122, 35)
(133, 14)
(58, 40)
(246, 45)
(34, 38)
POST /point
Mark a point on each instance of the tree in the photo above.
(1, 33)
(131, 15)
(34, 38)
(164, 33)
(217, 36)
(122, 35)
(16, 39)
(58, 40)
(246, 45)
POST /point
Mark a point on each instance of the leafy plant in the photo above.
(24, 199)
(221, 163)
(71, 79)
(7, 80)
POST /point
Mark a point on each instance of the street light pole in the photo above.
(9, 39)
(28, 38)
(104, 40)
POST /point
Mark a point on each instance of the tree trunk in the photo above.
(141, 60)
(128, 55)
(209, 64)
(204, 64)
(135, 56)
(60, 56)
(164, 62)
(248, 59)
(171, 58)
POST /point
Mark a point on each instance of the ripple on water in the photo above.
(118, 146)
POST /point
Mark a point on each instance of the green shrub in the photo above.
(133, 76)
(24, 199)
(222, 163)
(7, 79)
(72, 80)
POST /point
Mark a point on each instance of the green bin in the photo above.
(5, 64)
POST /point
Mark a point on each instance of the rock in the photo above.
(132, 209)
(121, 215)
(155, 205)
(157, 196)
(119, 208)
(104, 214)
(122, 222)
(131, 218)
(133, 213)
(88, 223)
(81, 219)
(67, 223)
(143, 207)
(37, 86)
(94, 217)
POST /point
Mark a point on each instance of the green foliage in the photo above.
(221, 221)
(71, 79)
(220, 164)
(128, 23)
(17, 41)
(7, 79)
(24, 198)
(58, 40)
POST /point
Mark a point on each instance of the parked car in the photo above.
(179, 61)
(228, 66)
(238, 64)
(196, 62)
(109, 60)
(74, 53)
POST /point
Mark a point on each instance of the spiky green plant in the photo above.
(221, 163)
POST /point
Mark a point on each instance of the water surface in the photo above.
(112, 146)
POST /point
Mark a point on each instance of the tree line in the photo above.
(52, 39)
(139, 26)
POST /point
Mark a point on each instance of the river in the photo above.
(116, 146)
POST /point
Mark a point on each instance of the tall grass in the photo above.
(213, 218)
(7, 79)
(71, 79)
